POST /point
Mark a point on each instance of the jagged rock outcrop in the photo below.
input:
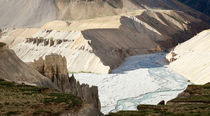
(55, 68)
(192, 59)
(89, 94)
(13, 69)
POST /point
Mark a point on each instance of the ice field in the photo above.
(142, 79)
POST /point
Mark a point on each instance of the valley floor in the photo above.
(142, 79)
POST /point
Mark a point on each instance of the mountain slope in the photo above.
(13, 69)
(106, 41)
(34, 13)
(192, 58)
(30, 100)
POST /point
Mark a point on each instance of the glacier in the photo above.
(141, 79)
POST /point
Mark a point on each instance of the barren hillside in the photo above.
(103, 32)
(34, 13)
(104, 42)
(13, 69)
(192, 58)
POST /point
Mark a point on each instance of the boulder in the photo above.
(161, 102)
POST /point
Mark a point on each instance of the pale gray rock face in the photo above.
(55, 68)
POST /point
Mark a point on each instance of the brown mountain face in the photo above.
(34, 13)
(13, 69)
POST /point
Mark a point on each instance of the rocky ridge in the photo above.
(55, 68)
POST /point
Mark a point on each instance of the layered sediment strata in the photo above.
(71, 44)
(100, 45)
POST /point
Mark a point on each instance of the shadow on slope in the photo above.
(148, 61)
(175, 27)
(142, 34)
(112, 46)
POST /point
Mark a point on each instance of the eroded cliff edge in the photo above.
(55, 68)
(100, 45)
(21, 80)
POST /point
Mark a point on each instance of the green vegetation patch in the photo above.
(195, 101)
(2, 44)
(196, 94)
(20, 99)
(63, 98)
(167, 110)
